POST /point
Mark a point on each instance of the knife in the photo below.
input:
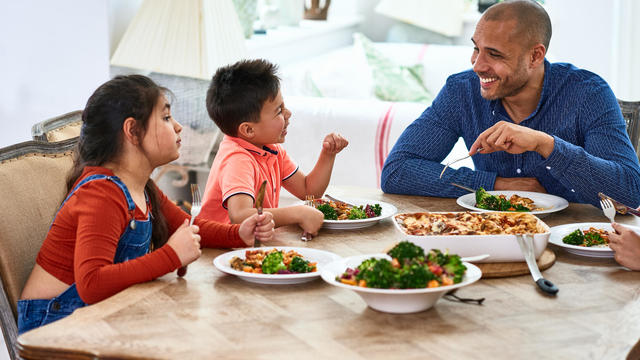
(259, 200)
(620, 207)
(526, 246)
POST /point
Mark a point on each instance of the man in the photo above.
(530, 125)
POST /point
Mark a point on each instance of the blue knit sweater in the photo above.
(592, 152)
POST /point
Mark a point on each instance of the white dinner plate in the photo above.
(560, 231)
(388, 210)
(548, 203)
(321, 257)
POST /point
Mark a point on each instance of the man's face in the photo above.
(499, 59)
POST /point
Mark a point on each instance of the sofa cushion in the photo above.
(393, 82)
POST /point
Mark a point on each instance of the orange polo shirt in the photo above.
(239, 168)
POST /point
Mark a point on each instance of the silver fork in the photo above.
(456, 160)
(308, 201)
(608, 209)
(196, 205)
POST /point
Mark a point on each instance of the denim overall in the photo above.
(133, 243)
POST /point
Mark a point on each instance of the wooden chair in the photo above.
(631, 114)
(59, 128)
(32, 186)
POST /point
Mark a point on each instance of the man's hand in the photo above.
(514, 139)
(520, 183)
(334, 143)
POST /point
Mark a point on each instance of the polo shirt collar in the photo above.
(264, 151)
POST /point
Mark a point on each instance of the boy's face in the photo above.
(274, 119)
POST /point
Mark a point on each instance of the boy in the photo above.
(245, 101)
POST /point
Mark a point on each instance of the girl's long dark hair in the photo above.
(101, 137)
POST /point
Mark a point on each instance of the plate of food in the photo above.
(517, 201)
(353, 213)
(585, 239)
(407, 279)
(472, 233)
(275, 265)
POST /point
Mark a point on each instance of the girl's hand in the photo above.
(626, 245)
(334, 143)
(261, 227)
(186, 243)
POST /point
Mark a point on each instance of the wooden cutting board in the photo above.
(505, 269)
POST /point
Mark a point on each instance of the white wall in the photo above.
(53, 54)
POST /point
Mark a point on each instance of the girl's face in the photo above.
(161, 141)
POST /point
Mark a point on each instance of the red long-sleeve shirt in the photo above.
(82, 242)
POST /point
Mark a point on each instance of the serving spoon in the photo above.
(475, 258)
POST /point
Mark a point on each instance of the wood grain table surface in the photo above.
(209, 314)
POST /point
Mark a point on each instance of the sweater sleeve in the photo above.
(607, 162)
(212, 234)
(413, 166)
(102, 217)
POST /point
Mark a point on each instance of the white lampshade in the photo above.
(442, 16)
(182, 37)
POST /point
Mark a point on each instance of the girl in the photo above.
(116, 228)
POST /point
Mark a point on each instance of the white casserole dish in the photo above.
(501, 247)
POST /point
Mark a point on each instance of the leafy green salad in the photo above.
(410, 268)
(484, 200)
(340, 211)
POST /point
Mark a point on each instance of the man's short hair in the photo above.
(237, 92)
(532, 19)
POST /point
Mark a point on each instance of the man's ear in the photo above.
(246, 130)
(131, 131)
(537, 55)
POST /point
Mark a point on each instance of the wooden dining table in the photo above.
(209, 314)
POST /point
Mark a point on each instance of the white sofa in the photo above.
(372, 126)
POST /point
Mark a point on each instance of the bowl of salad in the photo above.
(404, 280)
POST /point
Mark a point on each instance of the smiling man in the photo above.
(531, 125)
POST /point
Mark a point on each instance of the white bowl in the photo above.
(501, 248)
(397, 301)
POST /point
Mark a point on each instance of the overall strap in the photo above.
(131, 205)
(116, 180)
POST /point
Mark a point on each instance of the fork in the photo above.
(196, 205)
(608, 209)
(460, 159)
(308, 201)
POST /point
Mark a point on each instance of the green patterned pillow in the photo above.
(393, 82)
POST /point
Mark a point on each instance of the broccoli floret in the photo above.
(272, 263)
(328, 211)
(377, 273)
(413, 276)
(484, 200)
(575, 238)
(357, 213)
(592, 239)
(436, 257)
(455, 267)
(405, 251)
(300, 265)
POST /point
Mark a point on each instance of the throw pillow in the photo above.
(393, 82)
